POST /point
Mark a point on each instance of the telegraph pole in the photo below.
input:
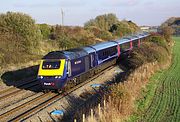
(62, 25)
(62, 13)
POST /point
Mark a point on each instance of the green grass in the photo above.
(161, 97)
(147, 93)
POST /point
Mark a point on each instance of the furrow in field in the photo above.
(165, 106)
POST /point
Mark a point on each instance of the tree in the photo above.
(98, 33)
(121, 29)
(45, 30)
(23, 26)
(167, 32)
(133, 26)
(104, 22)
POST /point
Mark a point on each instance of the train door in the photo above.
(92, 60)
(139, 42)
(119, 50)
(69, 68)
(131, 45)
(87, 63)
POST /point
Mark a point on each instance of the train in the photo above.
(60, 69)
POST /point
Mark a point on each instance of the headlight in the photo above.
(57, 77)
(40, 77)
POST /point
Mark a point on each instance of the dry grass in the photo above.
(120, 103)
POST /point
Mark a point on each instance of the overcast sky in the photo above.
(77, 12)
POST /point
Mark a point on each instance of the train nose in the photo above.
(52, 84)
(48, 84)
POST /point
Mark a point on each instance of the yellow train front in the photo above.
(52, 74)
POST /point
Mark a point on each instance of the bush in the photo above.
(23, 26)
(133, 26)
(45, 30)
(104, 22)
(167, 32)
(19, 38)
(159, 40)
(105, 35)
(121, 29)
(65, 42)
(109, 23)
(102, 34)
(71, 37)
(148, 52)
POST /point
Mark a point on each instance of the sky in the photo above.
(77, 12)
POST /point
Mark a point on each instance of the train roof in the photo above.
(55, 55)
(134, 37)
(88, 49)
(131, 37)
(66, 54)
(123, 40)
(103, 45)
(75, 53)
(142, 35)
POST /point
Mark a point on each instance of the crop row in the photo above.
(165, 105)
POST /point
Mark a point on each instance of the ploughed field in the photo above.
(165, 105)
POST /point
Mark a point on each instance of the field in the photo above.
(165, 103)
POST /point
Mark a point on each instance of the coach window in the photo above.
(115, 49)
(125, 46)
(135, 43)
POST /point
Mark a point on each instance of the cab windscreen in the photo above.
(51, 64)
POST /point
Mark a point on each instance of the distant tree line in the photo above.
(110, 23)
(20, 36)
(170, 27)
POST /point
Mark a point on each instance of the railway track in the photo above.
(20, 97)
(13, 90)
(19, 85)
(13, 112)
(24, 111)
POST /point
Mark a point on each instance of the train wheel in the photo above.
(74, 80)
(46, 90)
(59, 91)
